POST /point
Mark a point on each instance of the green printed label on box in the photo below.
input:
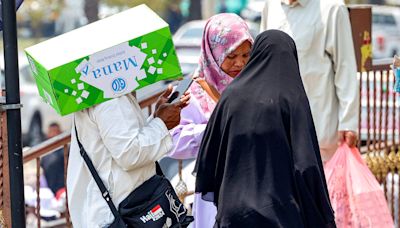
(105, 74)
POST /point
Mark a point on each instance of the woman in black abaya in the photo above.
(259, 157)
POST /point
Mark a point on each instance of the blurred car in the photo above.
(190, 33)
(188, 59)
(187, 41)
(36, 115)
(385, 31)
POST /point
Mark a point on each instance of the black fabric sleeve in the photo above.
(312, 191)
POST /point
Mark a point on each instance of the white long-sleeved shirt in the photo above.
(322, 32)
(122, 146)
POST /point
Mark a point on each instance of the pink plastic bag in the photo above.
(356, 196)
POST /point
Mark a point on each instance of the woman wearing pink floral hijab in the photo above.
(225, 50)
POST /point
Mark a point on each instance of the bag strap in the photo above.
(159, 170)
(104, 192)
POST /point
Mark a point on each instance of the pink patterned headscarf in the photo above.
(223, 33)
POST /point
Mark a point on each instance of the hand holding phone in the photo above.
(180, 90)
(169, 113)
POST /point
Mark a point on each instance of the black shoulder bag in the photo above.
(154, 204)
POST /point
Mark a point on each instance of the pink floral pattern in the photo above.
(223, 33)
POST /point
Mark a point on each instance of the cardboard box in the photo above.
(104, 60)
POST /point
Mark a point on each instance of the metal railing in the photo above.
(379, 130)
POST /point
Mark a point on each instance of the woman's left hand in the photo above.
(210, 90)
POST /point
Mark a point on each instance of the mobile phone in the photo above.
(180, 90)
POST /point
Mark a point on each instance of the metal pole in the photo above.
(13, 113)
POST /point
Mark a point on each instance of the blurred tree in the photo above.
(173, 15)
(91, 10)
(231, 6)
(357, 1)
(39, 13)
(36, 16)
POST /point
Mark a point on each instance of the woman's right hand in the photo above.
(210, 90)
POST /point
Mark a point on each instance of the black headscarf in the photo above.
(260, 155)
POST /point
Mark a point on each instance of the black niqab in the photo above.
(260, 155)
